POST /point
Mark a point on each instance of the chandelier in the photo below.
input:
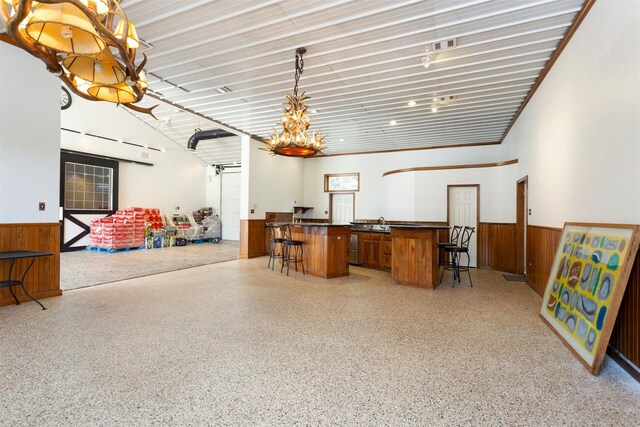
(77, 40)
(293, 140)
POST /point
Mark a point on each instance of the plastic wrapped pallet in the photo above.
(211, 226)
(115, 232)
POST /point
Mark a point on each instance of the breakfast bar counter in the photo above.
(415, 255)
(326, 248)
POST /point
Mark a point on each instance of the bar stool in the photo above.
(276, 244)
(453, 241)
(455, 252)
(289, 256)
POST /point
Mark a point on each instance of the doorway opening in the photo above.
(342, 207)
(463, 203)
(230, 205)
(88, 190)
(522, 208)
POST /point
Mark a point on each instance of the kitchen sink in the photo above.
(369, 226)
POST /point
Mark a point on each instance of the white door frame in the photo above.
(353, 215)
(449, 187)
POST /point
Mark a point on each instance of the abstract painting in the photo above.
(586, 285)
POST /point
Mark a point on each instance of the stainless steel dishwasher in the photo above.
(353, 249)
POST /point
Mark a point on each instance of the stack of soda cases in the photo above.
(120, 231)
(151, 216)
(130, 216)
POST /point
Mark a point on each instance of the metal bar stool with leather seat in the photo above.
(289, 256)
(276, 243)
(456, 252)
(453, 241)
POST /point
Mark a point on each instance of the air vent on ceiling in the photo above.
(444, 98)
(223, 89)
(444, 45)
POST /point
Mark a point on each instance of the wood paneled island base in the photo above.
(326, 248)
(415, 255)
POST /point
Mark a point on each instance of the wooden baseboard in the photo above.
(624, 363)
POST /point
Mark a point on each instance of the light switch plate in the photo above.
(41, 206)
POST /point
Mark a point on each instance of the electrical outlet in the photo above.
(177, 208)
(41, 206)
(529, 211)
(253, 211)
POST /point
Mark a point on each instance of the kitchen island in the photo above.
(326, 248)
(415, 255)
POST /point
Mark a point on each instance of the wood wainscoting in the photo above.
(496, 243)
(43, 280)
(252, 240)
(541, 249)
(542, 243)
(625, 337)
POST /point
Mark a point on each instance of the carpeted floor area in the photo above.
(81, 269)
(236, 344)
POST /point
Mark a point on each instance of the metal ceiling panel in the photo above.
(362, 67)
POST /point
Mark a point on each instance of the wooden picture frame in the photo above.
(586, 284)
(328, 188)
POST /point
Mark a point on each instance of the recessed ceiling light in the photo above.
(426, 61)
(145, 146)
(314, 111)
(163, 149)
(435, 99)
(434, 108)
(119, 141)
(393, 123)
(223, 89)
(412, 103)
(341, 139)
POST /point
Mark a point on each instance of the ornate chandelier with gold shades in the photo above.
(77, 40)
(294, 140)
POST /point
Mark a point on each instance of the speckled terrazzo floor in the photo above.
(236, 344)
(82, 268)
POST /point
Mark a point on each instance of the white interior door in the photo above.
(463, 210)
(230, 205)
(342, 208)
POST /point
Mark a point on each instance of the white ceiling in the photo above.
(362, 66)
(179, 125)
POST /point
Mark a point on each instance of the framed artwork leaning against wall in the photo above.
(586, 284)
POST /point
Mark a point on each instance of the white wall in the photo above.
(497, 192)
(578, 139)
(29, 138)
(270, 183)
(178, 178)
(414, 196)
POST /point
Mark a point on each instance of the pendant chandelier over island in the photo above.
(75, 38)
(294, 140)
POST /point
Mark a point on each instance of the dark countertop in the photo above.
(314, 224)
(422, 227)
